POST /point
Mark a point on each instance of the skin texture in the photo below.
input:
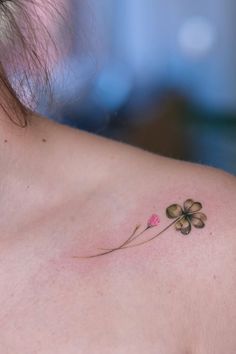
(66, 193)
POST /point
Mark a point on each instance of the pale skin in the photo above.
(67, 193)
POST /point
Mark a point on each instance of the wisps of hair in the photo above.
(25, 60)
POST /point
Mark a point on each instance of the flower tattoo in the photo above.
(184, 219)
(154, 220)
(187, 216)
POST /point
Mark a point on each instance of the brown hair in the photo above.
(24, 57)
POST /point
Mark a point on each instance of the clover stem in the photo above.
(96, 255)
(131, 238)
(137, 244)
(152, 238)
(115, 249)
(134, 238)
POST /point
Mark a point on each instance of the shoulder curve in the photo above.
(205, 265)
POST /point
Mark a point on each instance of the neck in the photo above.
(21, 174)
(42, 167)
(13, 140)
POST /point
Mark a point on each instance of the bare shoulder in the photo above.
(140, 183)
(179, 283)
(134, 184)
(193, 274)
(196, 268)
(172, 294)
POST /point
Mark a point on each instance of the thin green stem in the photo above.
(96, 255)
(141, 243)
(113, 249)
(134, 238)
(152, 238)
(131, 238)
(137, 244)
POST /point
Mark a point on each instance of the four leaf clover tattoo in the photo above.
(184, 218)
(187, 216)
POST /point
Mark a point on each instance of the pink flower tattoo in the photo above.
(154, 220)
(184, 218)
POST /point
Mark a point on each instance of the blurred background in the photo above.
(158, 74)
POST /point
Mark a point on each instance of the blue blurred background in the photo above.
(159, 74)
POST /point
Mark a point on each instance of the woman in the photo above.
(67, 197)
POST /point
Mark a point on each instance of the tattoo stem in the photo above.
(114, 249)
(137, 244)
(152, 238)
(131, 238)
